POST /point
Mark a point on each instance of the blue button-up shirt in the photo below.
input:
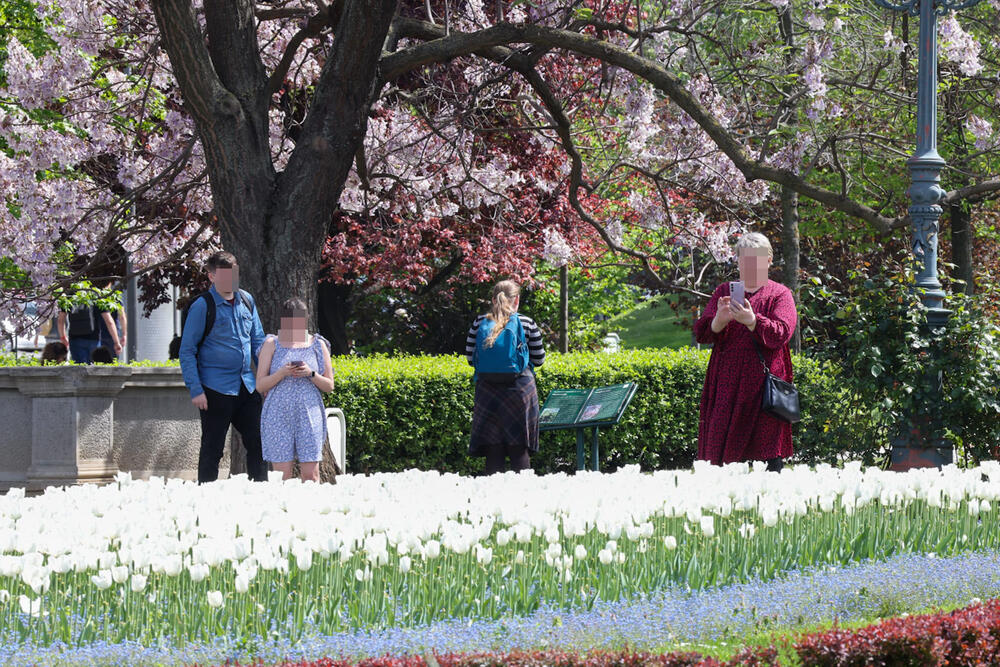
(224, 359)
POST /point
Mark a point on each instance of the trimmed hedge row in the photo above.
(416, 412)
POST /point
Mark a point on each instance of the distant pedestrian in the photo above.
(113, 328)
(504, 347)
(79, 332)
(102, 355)
(293, 374)
(221, 340)
(733, 427)
(54, 353)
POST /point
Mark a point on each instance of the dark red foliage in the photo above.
(969, 636)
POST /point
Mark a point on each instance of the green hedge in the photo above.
(416, 412)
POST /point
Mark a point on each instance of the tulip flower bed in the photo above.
(154, 562)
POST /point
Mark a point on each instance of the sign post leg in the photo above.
(580, 458)
(595, 452)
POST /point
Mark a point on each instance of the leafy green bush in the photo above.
(874, 328)
(416, 412)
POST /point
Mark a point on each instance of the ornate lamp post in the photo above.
(910, 449)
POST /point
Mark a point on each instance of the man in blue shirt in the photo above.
(217, 370)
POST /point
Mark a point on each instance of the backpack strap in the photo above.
(209, 315)
(317, 343)
(247, 300)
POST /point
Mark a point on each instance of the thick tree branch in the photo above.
(335, 124)
(975, 191)
(204, 94)
(232, 43)
(458, 44)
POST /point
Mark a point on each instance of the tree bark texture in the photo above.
(564, 308)
(961, 245)
(334, 310)
(790, 251)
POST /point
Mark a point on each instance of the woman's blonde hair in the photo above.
(754, 240)
(502, 299)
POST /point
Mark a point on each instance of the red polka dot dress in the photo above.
(732, 426)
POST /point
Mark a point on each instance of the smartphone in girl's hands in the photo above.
(737, 292)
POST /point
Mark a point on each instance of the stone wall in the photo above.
(74, 424)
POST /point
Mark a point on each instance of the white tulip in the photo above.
(198, 572)
(620, 556)
(670, 542)
(503, 537)
(4, 596)
(304, 559)
(519, 557)
(29, 606)
(172, 565)
(580, 552)
(484, 556)
(985, 506)
(605, 556)
(242, 584)
(119, 574)
(433, 549)
(611, 546)
(214, 599)
(138, 583)
(102, 579)
(404, 564)
(708, 526)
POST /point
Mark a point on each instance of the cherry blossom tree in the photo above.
(341, 140)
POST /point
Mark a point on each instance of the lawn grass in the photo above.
(651, 324)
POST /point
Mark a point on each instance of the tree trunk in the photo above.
(333, 310)
(789, 197)
(961, 245)
(564, 308)
(275, 223)
(790, 251)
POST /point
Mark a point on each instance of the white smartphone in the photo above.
(737, 291)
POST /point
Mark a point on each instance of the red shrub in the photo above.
(969, 636)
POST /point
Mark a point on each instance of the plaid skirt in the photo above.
(505, 414)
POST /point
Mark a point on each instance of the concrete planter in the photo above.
(77, 424)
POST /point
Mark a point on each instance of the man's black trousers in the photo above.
(241, 411)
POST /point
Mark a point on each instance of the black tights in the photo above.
(775, 465)
(496, 458)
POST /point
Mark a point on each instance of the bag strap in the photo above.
(760, 355)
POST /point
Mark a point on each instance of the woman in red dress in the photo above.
(732, 426)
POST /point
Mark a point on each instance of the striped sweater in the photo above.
(536, 348)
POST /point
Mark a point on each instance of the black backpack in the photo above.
(209, 313)
(82, 321)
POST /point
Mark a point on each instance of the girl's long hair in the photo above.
(502, 299)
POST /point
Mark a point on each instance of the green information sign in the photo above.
(571, 407)
(586, 408)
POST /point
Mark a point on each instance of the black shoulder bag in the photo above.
(780, 399)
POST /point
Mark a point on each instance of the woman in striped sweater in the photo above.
(505, 416)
